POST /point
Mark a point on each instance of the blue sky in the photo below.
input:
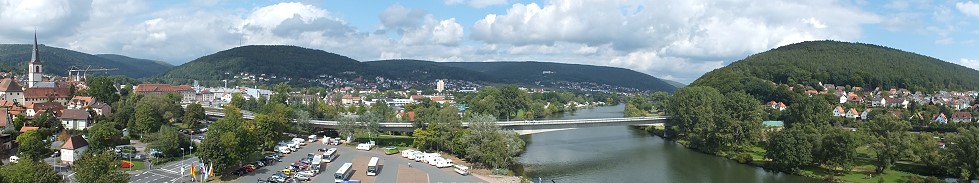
(675, 40)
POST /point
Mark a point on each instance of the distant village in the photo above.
(857, 103)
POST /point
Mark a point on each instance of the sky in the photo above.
(674, 40)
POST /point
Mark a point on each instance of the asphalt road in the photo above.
(168, 173)
(388, 173)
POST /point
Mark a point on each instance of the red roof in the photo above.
(75, 142)
(33, 93)
(961, 115)
(145, 88)
(9, 85)
(27, 128)
(74, 114)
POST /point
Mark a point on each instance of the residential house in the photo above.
(11, 91)
(842, 99)
(854, 98)
(5, 118)
(187, 93)
(939, 118)
(37, 108)
(865, 115)
(102, 109)
(852, 113)
(878, 102)
(80, 102)
(959, 117)
(73, 148)
(780, 106)
(839, 112)
(76, 119)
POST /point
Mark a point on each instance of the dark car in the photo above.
(323, 149)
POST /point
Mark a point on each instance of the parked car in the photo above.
(56, 154)
(308, 173)
(301, 177)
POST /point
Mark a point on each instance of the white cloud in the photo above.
(691, 33)
(477, 3)
(48, 17)
(970, 63)
(671, 68)
(448, 32)
(969, 8)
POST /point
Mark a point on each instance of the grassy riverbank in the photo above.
(863, 170)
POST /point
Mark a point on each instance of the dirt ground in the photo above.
(360, 169)
(406, 174)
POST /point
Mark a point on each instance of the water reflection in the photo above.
(623, 154)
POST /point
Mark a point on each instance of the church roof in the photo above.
(35, 56)
(35, 93)
(9, 85)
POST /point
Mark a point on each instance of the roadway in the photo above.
(389, 171)
(169, 172)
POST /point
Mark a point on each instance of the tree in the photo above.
(103, 89)
(632, 111)
(744, 128)
(147, 120)
(371, 123)
(194, 114)
(270, 127)
(32, 145)
(29, 172)
(19, 121)
(103, 136)
(99, 166)
(789, 149)
(839, 149)
(695, 113)
(237, 100)
(888, 140)
(169, 141)
(230, 141)
(347, 126)
(964, 152)
(489, 145)
(511, 100)
(808, 111)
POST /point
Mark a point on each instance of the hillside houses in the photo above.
(857, 103)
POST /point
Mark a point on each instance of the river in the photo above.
(623, 154)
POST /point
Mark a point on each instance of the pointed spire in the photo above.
(35, 56)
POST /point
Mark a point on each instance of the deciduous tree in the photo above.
(99, 166)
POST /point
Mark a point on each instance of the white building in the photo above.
(72, 149)
(440, 86)
(76, 119)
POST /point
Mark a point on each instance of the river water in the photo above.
(622, 154)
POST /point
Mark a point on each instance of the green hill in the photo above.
(840, 63)
(530, 72)
(296, 62)
(58, 60)
(426, 70)
(281, 61)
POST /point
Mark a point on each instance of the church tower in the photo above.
(34, 68)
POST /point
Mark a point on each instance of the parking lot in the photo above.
(393, 167)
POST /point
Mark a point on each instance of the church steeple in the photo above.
(35, 56)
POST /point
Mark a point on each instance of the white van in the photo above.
(365, 146)
(462, 169)
(312, 138)
(284, 150)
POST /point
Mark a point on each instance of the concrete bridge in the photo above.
(521, 127)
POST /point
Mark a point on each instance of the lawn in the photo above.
(137, 165)
(863, 167)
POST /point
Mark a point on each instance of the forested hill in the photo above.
(531, 72)
(57, 61)
(298, 63)
(840, 63)
(281, 61)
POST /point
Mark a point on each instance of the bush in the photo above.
(743, 158)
